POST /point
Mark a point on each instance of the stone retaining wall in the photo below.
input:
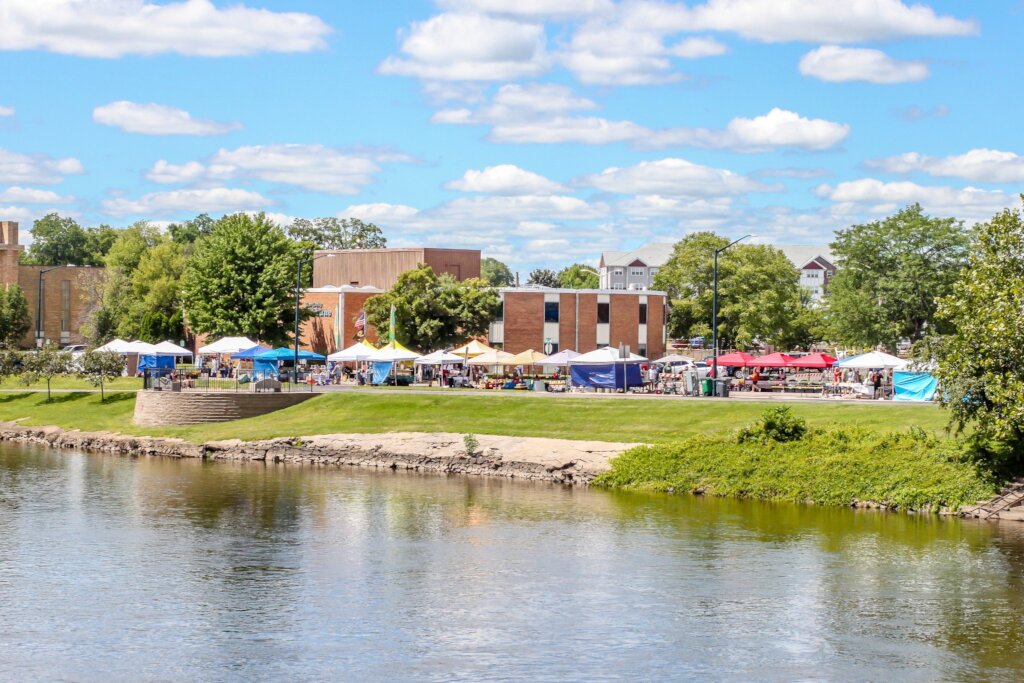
(161, 408)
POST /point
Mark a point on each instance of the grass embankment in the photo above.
(834, 465)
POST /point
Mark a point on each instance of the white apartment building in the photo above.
(635, 270)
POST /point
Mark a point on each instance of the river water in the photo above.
(113, 569)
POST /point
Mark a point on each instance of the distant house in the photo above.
(636, 269)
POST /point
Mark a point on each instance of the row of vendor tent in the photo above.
(875, 360)
(160, 355)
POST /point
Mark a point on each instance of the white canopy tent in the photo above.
(227, 345)
(440, 358)
(142, 348)
(875, 360)
(673, 359)
(560, 359)
(354, 354)
(116, 346)
(168, 348)
(605, 356)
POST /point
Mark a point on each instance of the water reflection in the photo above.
(150, 569)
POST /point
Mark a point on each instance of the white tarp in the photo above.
(875, 360)
(227, 345)
(605, 356)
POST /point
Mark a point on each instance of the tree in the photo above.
(543, 277)
(337, 233)
(15, 320)
(45, 363)
(240, 280)
(187, 232)
(578, 276)
(979, 363)
(98, 366)
(434, 311)
(891, 274)
(156, 292)
(62, 241)
(495, 273)
(758, 291)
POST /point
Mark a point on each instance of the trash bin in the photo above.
(705, 386)
(722, 388)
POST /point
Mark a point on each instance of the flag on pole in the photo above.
(392, 324)
(361, 320)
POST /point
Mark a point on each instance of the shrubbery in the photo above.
(776, 424)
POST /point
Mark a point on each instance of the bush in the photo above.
(777, 424)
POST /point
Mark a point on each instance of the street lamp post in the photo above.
(298, 293)
(714, 312)
(39, 304)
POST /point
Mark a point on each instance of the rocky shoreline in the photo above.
(554, 460)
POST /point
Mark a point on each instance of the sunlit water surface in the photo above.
(115, 569)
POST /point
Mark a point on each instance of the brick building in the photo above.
(336, 309)
(580, 319)
(381, 267)
(69, 293)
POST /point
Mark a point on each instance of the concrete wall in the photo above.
(156, 408)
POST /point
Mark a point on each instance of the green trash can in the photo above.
(706, 385)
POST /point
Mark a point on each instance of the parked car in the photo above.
(702, 368)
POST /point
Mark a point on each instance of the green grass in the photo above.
(118, 384)
(619, 420)
(834, 466)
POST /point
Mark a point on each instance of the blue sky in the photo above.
(540, 131)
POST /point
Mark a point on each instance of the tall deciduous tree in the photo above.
(337, 233)
(759, 295)
(240, 280)
(187, 232)
(495, 273)
(15, 320)
(96, 367)
(578, 276)
(434, 311)
(980, 361)
(59, 241)
(543, 277)
(890, 276)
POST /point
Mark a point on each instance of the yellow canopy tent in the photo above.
(528, 357)
(393, 351)
(492, 357)
(472, 349)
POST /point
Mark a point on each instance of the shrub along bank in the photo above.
(779, 458)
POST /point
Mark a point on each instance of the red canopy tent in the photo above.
(737, 359)
(814, 360)
(773, 360)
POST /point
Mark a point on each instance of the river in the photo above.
(116, 569)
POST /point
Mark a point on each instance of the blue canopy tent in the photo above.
(266, 363)
(155, 361)
(249, 354)
(914, 386)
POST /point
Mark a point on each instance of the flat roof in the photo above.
(560, 290)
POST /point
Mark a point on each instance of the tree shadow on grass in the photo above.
(119, 396)
(11, 397)
(65, 397)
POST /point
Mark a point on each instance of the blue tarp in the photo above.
(380, 372)
(283, 353)
(914, 386)
(264, 368)
(249, 354)
(155, 362)
(606, 376)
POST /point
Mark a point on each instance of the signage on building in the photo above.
(319, 311)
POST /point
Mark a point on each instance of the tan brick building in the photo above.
(336, 309)
(69, 293)
(381, 267)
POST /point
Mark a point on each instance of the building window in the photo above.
(604, 313)
(551, 311)
(654, 271)
(617, 271)
(554, 349)
(642, 350)
(618, 285)
(65, 305)
(501, 311)
(637, 272)
(643, 314)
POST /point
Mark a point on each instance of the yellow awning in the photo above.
(472, 349)
(528, 357)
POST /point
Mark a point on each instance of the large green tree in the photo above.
(578, 276)
(890, 275)
(187, 232)
(759, 295)
(980, 362)
(434, 311)
(495, 273)
(337, 233)
(240, 280)
(58, 240)
(15, 319)
(543, 277)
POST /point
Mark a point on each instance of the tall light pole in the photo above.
(298, 293)
(39, 304)
(714, 312)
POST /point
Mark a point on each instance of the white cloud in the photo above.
(843, 64)
(497, 208)
(779, 128)
(657, 206)
(312, 167)
(799, 173)
(470, 47)
(29, 195)
(916, 113)
(878, 197)
(587, 130)
(114, 28)
(530, 8)
(980, 165)
(675, 178)
(36, 168)
(157, 119)
(194, 201)
(848, 21)
(6, 111)
(504, 179)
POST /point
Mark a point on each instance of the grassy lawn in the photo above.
(119, 384)
(518, 415)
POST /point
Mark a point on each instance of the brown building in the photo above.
(336, 310)
(381, 267)
(69, 293)
(580, 319)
